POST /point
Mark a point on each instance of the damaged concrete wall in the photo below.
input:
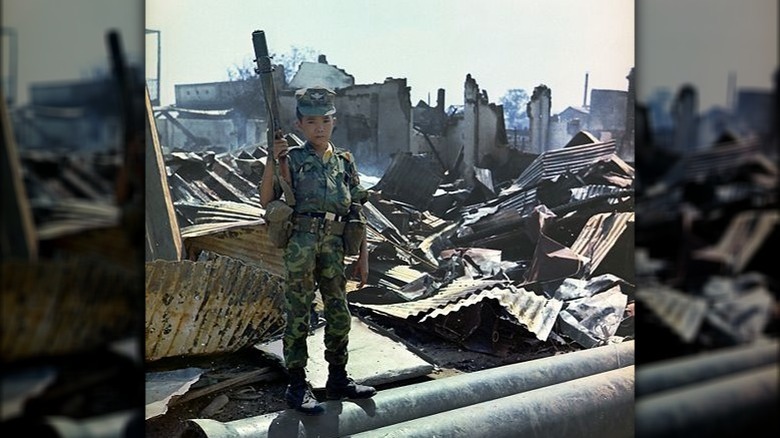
(482, 128)
(220, 134)
(685, 113)
(539, 115)
(608, 115)
(558, 133)
(473, 136)
(373, 121)
(211, 95)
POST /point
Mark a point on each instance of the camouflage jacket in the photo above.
(321, 187)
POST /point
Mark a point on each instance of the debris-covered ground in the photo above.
(266, 394)
(466, 275)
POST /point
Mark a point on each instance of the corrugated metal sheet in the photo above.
(65, 306)
(716, 161)
(592, 191)
(227, 211)
(537, 313)
(598, 236)
(744, 236)
(215, 306)
(683, 313)
(432, 223)
(553, 163)
(246, 241)
(455, 291)
(403, 274)
(410, 179)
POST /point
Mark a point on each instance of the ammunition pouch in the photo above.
(354, 231)
(279, 215)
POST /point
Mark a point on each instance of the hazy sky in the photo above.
(433, 44)
(66, 40)
(702, 41)
(504, 44)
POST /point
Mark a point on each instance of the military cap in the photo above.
(316, 101)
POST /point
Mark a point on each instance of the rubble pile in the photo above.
(716, 286)
(491, 265)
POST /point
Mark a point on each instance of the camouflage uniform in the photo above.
(315, 257)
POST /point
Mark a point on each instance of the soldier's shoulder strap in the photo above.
(343, 153)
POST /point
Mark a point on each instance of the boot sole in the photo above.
(319, 411)
(333, 397)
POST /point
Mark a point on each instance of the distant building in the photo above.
(80, 115)
(319, 73)
(754, 111)
(610, 116)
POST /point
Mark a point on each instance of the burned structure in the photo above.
(717, 287)
(608, 115)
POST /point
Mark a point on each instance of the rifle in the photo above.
(129, 188)
(265, 70)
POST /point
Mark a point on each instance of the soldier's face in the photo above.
(317, 129)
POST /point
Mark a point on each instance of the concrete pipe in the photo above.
(597, 406)
(743, 404)
(405, 403)
(682, 371)
(116, 425)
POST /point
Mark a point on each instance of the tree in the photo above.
(291, 61)
(514, 102)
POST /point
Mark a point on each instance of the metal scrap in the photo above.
(218, 305)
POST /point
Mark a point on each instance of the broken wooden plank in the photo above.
(259, 375)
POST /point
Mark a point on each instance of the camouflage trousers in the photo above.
(315, 260)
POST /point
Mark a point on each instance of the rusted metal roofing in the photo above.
(64, 306)
(598, 236)
(535, 312)
(227, 211)
(214, 306)
(681, 312)
(243, 240)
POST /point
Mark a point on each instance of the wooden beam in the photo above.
(19, 239)
(163, 239)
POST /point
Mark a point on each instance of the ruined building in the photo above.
(609, 116)
(374, 121)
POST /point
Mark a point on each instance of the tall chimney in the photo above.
(731, 91)
(585, 93)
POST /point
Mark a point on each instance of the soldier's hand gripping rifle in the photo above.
(265, 70)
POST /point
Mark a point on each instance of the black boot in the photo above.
(339, 386)
(299, 395)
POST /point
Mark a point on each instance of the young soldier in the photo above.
(326, 186)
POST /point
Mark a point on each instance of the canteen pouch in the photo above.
(354, 231)
(278, 215)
